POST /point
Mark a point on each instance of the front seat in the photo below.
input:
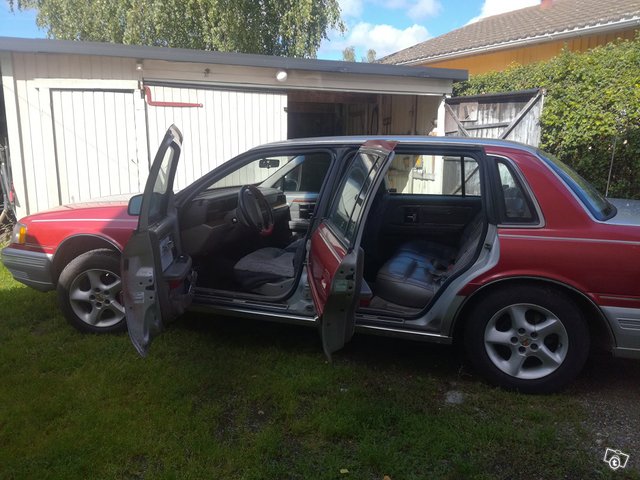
(269, 271)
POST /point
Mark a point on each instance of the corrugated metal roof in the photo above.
(537, 22)
(222, 58)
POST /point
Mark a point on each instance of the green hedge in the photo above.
(593, 101)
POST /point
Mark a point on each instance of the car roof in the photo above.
(401, 139)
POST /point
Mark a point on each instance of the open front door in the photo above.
(335, 259)
(156, 274)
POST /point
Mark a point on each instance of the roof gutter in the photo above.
(547, 37)
(73, 47)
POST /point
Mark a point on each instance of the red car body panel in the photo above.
(106, 219)
(571, 248)
(325, 257)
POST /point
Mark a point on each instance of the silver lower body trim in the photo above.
(272, 316)
(627, 353)
(283, 317)
(31, 268)
(625, 324)
(404, 333)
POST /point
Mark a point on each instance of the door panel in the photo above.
(439, 218)
(325, 257)
(335, 260)
(156, 273)
(96, 144)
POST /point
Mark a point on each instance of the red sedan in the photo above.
(492, 244)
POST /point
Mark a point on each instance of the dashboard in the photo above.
(210, 219)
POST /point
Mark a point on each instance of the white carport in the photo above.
(83, 119)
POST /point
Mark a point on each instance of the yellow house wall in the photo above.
(499, 60)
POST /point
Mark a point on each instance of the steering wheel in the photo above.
(254, 210)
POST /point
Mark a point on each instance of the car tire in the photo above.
(90, 292)
(527, 338)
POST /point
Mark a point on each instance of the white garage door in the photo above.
(96, 141)
(228, 123)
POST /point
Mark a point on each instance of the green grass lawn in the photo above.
(231, 398)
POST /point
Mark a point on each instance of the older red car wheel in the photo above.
(528, 338)
(90, 292)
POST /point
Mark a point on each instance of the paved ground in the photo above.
(610, 390)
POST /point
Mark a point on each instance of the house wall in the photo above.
(501, 59)
(80, 128)
(39, 109)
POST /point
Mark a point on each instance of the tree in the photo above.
(591, 115)
(371, 56)
(291, 28)
(349, 54)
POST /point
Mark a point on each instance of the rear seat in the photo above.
(413, 275)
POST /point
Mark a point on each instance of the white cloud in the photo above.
(384, 39)
(414, 9)
(495, 7)
(351, 8)
(424, 8)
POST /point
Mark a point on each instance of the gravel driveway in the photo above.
(609, 389)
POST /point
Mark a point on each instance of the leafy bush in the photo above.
(592, 105)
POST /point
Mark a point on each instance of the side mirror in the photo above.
(269, 163)
(135, 204)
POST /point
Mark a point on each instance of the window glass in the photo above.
(158, 204)
(307, 176)
(597, 204)
(433, 175)
(346, 211)
(515, 203)
(292, 173)
(254, 172)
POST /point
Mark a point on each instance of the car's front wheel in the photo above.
(90, 292)
(529, 338)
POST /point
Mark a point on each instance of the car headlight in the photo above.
(19, 234)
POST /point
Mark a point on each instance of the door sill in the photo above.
(252, 311)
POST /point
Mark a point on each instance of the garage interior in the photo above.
(317, 113)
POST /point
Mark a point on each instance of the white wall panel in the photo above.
(96, 144)
(228, 123)
(35, 79)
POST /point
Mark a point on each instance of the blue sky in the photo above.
(384, 25)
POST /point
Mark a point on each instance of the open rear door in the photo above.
(335, 260)
(156, 274)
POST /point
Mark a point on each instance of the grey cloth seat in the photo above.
(267, 265)
(413, 275)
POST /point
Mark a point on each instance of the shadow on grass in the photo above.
(602, 372)
(375, 352)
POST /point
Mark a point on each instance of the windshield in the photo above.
(256, 172)
(597, 204)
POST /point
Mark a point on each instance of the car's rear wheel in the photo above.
(529, 338)
(90, 292)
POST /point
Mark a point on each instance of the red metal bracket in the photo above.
(155, 103)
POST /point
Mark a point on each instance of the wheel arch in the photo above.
(76, 245)
(599, 329)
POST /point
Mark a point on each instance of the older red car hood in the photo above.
(104, 217)
(108, 208)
